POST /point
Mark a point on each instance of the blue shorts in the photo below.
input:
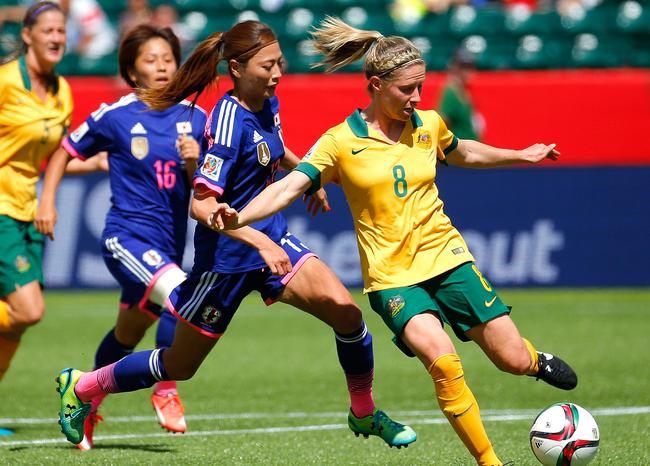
(208, 301)
(137, 266)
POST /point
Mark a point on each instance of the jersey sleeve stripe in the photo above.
(231, 126)
(452, 146)
(217, 132)
(71, 150)
(212, 187)
(226, 119)
(104, 109)
(313, 174)
(224, 123)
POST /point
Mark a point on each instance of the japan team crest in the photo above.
(152, 257)
(139, 147)
(263, 153)
(211, 314)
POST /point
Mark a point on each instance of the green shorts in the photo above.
(461, 297)
(21, 254)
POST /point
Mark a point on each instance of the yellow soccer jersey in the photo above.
(30, 131)
(404, 237)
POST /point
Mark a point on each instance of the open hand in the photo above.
(223, 217)
(538, 152)
(317, 202)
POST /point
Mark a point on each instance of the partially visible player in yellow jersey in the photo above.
(417, 269)
(35, 112)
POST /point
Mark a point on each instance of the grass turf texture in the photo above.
(276, 372)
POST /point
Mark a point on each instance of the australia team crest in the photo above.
(395, 305)
(424, 140)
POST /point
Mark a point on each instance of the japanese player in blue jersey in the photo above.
(151, 156)
(244, 150)
(417, 269)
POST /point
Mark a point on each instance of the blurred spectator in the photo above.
(137, 12)
(90, 34)
(575, 7)
(166, 15)
(411, 11)
(456, 106)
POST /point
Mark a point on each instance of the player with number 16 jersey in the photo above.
(149, 186)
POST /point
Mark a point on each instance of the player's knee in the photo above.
(28, 316)
(348, 316)
(181, 371)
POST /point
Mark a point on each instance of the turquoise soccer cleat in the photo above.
(379, 424)
(73, 411)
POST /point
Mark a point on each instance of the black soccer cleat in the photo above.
(554, 371)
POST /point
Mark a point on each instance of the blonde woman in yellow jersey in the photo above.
(35, 110)
(417, 269)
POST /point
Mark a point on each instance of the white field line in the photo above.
(487, 416)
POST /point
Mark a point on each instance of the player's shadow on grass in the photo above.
(151, 448)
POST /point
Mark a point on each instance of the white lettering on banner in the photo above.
(505, 257)
(59, 261)
(91, 270)
(340, 251)
(519, 258)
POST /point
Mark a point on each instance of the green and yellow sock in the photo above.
(461, 408)
(5, 318)
(534, 358)
(8, 348)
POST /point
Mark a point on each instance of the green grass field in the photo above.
(272, 391)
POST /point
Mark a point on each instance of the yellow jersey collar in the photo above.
(359, 127)
(22, 66)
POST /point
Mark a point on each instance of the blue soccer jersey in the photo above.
(149, 186)
(244, 150)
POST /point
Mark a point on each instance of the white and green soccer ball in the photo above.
(564, 434)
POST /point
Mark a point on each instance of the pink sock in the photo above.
(360, 388)
(96, 401)
(95, 383)
(164, 388)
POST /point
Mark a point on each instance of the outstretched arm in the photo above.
(273, 199)
(98, 163)
(202, 206)
(475, 154)
(317, 202)
(46, 214)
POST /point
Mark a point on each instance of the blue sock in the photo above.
(140, 370)
(166, 329)
(355, 351)
(110, 350)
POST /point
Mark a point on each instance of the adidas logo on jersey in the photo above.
(138, 129)
(256, 137)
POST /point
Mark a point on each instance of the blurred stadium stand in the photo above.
(612, 34)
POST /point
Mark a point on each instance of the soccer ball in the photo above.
(564, 434)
